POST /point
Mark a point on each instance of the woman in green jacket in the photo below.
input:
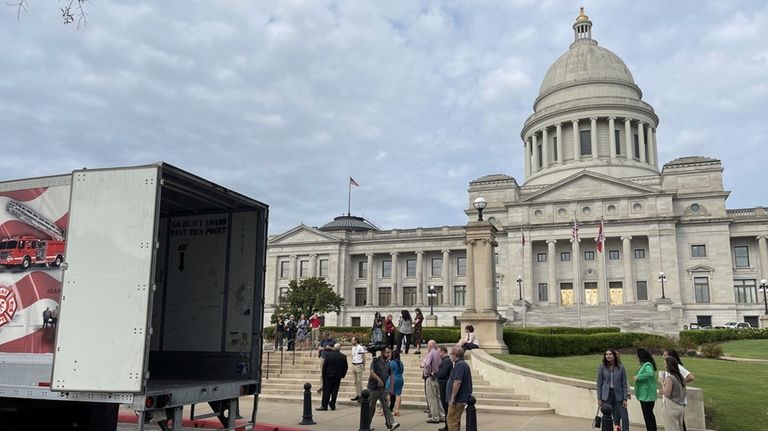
(645, 387)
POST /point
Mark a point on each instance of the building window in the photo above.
(283, 294)
(324, 267)
(437, 267)
(304, 269)
(617, 141)
(565, 256)
(410, 268)
(698, 250)
(543, 292)
(459, 295)
(354, 321)
(461, 266)
(362, 269)
(385, 296)
(409, 296)
(745, 290)
(586, 142)
(538, 153)
(554, 148)
(642, 290)
(613, 254)
(704, 321)
(439, 298)
(541, 257)
(386, 269)
(589, 255)
(360, 296)
(701, 289)
(639, 253)
(636, 146)
(284, 269)
(741, 255)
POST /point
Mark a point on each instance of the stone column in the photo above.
(629, 282)
(576, 151)
(544, 148)
(559, 146)
(447, 286)
(395, 280)
(528, 270)
(762, 246)
(527, 144)
(593, 137)
(577, 289)
(628, 138)
(641, 140)
(292, 268)
(612, 136)
(419, 278)
(655, 149)
(535, 152)
(651, 146)
(551, 266)
(481, 285)
(313, 265)
(370, 297)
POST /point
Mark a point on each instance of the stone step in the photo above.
(416, 396)
(485, 391)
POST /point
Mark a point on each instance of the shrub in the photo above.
(526, 343)
(701, 336)
(566, 330)
(711, 350)
(656, 344)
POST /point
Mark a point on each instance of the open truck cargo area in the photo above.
(155, 301)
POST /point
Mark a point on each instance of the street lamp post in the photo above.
(431, 293)
(480, 204)
(662, 279)
(764, 286)
(520, 287)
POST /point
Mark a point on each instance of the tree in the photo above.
(71, 10)
(310, 295)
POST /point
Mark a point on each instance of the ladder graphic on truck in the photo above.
(35, 220)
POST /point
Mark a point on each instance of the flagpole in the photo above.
(349, 197)
(577, 269)
(605, 278)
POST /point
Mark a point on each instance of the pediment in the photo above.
(585, 184)
(302, 234)
(700, 268)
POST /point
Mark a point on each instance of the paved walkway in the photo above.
(740, 359)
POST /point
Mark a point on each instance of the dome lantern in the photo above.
(582, 28)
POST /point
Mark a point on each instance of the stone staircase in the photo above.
(304, 367)
(630, 318)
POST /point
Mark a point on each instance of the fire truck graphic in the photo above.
(27, 250)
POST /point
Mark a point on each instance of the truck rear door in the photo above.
(101, 342)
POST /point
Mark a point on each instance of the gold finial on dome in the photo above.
(581, 16)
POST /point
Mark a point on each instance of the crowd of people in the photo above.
(291, 333)
(613, 388)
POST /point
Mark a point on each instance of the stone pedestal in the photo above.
(663, 304)
(487, 329)
(764, 321)
(519, 309)
(430, 321)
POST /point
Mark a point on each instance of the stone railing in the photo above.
(410, 233)
(747, 212)
(571, 397)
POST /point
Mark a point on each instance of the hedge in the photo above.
(566, 330)
(344, 334)
(533, 344)
(701, 336)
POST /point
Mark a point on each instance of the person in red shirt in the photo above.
(389, 330)
(314, 323)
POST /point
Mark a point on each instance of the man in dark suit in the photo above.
(334, 369)
(446, 365)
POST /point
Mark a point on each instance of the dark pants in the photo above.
(391, 340)
(400, 339)
(469, 346)
(620, 416)
(330, 391)
(291, 340)
(648, 416)
(443, 397)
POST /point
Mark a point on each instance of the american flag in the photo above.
(522, 243)
(600, 238)
(352, 182)
(575, 230)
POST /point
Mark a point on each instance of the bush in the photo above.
(527, 343)
(701, 336)
(711, 350)
(566, 330)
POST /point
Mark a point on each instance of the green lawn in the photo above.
(747, 348)
(734, 392)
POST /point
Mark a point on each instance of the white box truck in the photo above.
(154, 301)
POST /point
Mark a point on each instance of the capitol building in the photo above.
(674, 254)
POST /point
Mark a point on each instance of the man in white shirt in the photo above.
(358, 367)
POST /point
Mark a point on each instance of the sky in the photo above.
(283, 101)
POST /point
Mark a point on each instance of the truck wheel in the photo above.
(26, 263)
(57, 262)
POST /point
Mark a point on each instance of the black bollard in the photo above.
(471, 414)
(306, 419)
(607, 423)
(365, 410)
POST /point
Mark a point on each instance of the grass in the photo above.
(757, 349)
(734, 392)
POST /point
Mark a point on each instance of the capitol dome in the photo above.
(589, 114)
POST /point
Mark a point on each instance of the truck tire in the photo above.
(57, 262)
(26, 263)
